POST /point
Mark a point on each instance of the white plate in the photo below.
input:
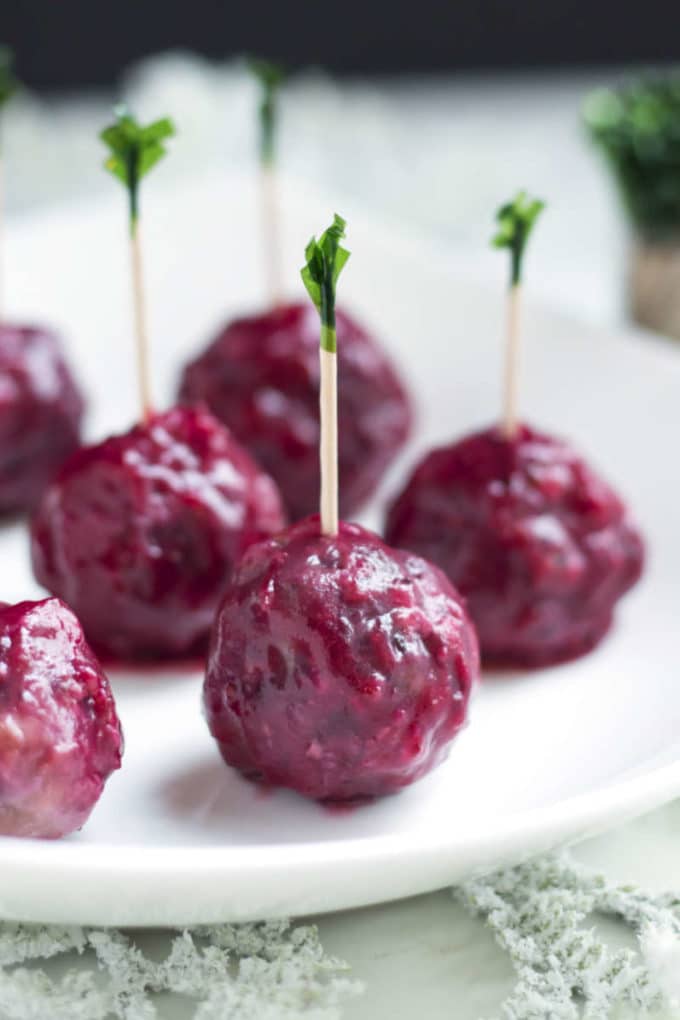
(548, 757)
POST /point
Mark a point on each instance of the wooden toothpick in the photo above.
(8, 86)
(515, 220)
(270, 77)
(325, 261)
(328, 408)
(135, 149)
(140, 319)
(511, 372)
(270, 228)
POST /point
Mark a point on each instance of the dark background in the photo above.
(65, 44)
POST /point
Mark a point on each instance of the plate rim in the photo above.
(597, 807)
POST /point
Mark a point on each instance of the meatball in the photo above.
(60, 738)
(140, 533)
(540, 547)
(40, 414)
(260, 376)
(338, 667)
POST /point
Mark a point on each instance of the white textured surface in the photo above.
(438, 156)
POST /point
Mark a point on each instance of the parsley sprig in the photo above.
(515, 222)
(134, 150)
(326, 258)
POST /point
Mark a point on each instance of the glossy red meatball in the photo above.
(60, 738)
(538, 544)
(338, 667)
(40, 413)
(260, 376)
(139, 534)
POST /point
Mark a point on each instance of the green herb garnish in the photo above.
(515, 222)
(637, 127)
(270, 77)
(135, 149)
(325, 261)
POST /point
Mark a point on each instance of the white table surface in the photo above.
(437, 157)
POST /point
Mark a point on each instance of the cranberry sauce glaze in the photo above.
(140, 533)
(40, 413)
(338, 667)
(540, 547)
(60, 738)
(260, 376)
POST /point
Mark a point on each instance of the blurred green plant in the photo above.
(270, 77)
(637, 126)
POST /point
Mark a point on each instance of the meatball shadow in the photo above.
(13, 520)
(226, 808)
(208, 796)
(185, 796)
(131, 674)
(501, 676)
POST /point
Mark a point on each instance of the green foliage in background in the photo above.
(638, 128)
